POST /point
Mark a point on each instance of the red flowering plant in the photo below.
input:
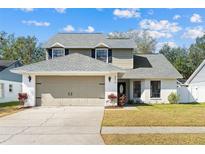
(122, 99)
(112, 97)
(22, 97)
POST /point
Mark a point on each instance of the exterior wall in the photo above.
(10, 96)
(196, 92)
(193, 93)
(167, 86)
(86, 52)
(110, 87)
(122, 58)
(29, 88)
(200, 77)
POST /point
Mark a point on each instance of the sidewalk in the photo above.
(151, 130)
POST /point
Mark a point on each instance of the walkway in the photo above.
(151, 130)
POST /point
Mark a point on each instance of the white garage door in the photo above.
(70, 90)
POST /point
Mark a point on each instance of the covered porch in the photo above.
(132, 89)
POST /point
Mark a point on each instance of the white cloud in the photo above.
(69, 28)
(27, 9)
(127, 13)
(160, 29)
(36, 23)
(162, 25)
(192, 33)
(158, 34)
(60, 10)
(196, 18)
(176, 17)
(90, 29)
(170, 43)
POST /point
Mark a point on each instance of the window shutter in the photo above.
(49, 53)
(110, 56)
(66, 51)
(93, 53)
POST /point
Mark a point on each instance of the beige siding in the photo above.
(122, 58)
(86, 52)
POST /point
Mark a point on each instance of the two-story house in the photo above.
(84, 69)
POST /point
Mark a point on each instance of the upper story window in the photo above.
(58, 52)
(101, 54)
(155, 89)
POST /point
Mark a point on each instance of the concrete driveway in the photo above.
(53, 125)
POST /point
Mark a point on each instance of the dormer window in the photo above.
(58, 52)
(102, 54)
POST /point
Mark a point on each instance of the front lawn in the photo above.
(157, 115)
(150, 139)
(8, 108)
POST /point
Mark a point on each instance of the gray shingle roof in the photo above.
(73, 62)
(151, 66)
(5, 67)
(6, 63)
(87, 40)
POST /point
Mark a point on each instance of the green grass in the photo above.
(150, 139)
(7, 104)
(157, 115)
(9, 108)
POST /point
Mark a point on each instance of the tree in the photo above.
(144, 42)
(24, 49)
(179, 58)
(197, 52)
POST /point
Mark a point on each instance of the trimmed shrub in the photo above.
(173, 98)
(131, 101)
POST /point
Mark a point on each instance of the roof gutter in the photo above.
(78, 73)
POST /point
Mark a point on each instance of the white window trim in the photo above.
(57, 49)
(101, 49)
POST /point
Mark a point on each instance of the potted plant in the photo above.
(112, 98)
(122, 99)
(22, 97)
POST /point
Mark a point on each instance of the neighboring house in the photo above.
(10, 83)
(83, 69)
(194, 88)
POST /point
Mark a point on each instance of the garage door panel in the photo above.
(70, 90)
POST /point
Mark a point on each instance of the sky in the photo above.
(177, 27)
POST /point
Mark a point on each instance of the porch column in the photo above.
(29, 87)
(110, 87)
(131, 89)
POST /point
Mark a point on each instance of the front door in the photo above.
(121, 88)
